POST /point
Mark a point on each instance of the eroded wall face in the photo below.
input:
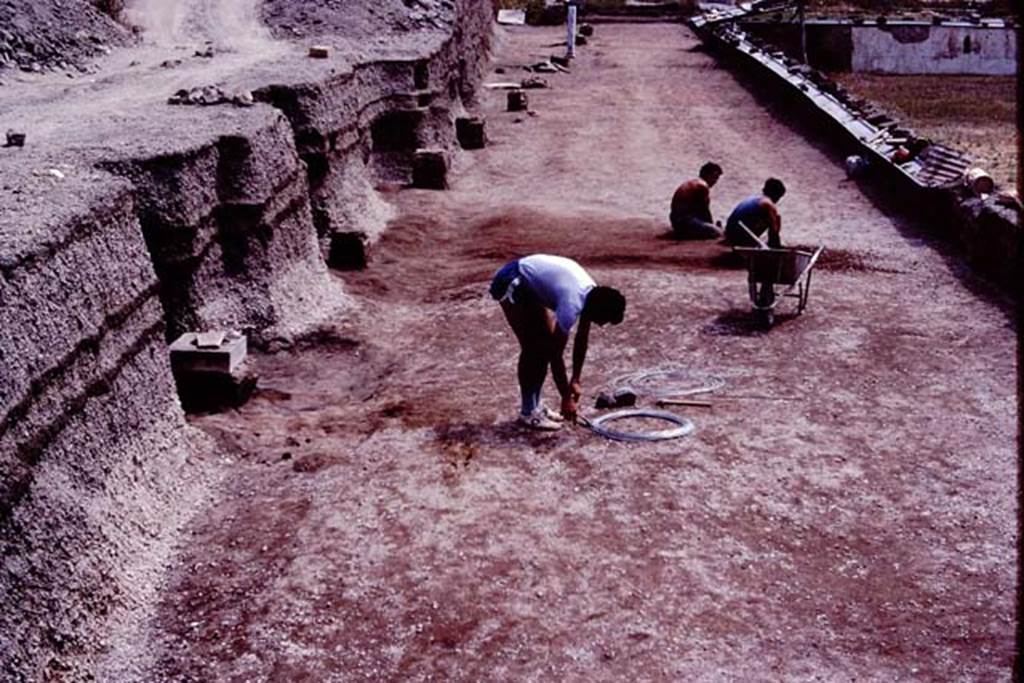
(362, 128)
(228, 228)
(220, 229)
(92, 438)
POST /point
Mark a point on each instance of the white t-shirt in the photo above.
(559, 283)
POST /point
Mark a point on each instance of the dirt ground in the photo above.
(845, 511)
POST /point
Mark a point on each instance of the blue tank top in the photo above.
(749, 211)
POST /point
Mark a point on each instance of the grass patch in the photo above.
(528, 4)
(975, 114)
(998, 7)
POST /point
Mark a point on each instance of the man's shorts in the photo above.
(692, 228)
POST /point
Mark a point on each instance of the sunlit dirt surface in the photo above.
(844, 511)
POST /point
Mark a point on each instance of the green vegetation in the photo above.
(975, 114)
(539, 4)
(996, 7)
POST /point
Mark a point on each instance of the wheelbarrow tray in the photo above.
(767, 268)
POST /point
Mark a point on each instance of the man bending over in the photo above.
(542, 297)
(757, 214)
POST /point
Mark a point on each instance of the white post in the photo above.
(801, 11)
(571, 41)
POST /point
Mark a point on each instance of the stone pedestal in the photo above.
(210, 376)
(430, 169)
(347, 251)
(471, 132)
(517, 100)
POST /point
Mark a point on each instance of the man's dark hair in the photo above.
(774, 189)
(605, 305)
(710, 169)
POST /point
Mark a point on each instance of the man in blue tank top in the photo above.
(543, 297)
(756, 215)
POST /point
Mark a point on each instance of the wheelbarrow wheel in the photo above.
(765, 317)
(765, 297)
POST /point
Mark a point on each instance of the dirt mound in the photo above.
(55, 34)
(350, 19)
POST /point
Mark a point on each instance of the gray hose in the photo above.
(682, 428)
(669, 381)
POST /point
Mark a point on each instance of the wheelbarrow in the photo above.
(768, 269)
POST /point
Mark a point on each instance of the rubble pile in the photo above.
(346, 19)
(44, 35)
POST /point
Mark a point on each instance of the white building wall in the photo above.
(992, 51)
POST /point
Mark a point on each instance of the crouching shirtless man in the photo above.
(542, 297)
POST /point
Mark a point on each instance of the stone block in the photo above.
(347, 251)
(211, 392)
(15, 139)
(188, 356)
(471, 132)
(430, 169)
(517, 100)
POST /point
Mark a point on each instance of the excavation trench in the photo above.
(374, 512)
(388, 518)
(122, 230)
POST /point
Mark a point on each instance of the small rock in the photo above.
(620, 398)
(15, 139)
(543, 67)
(319, 52)
(210, 95)
(244, 99)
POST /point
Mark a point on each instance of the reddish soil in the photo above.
(845, 511)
